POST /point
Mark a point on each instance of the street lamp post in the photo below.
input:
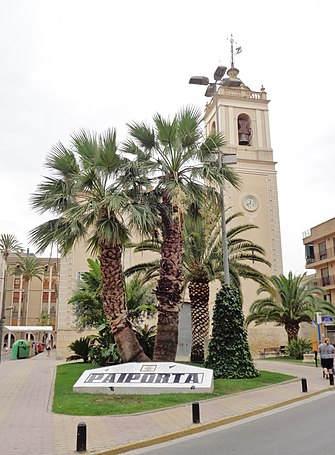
(213, 91)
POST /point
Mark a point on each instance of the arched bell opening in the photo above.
(213, 128)
(244, 130)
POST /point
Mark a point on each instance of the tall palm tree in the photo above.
(28, 268)
(173, 153)
(290, 301)
(8, 244)
(86, 197)
(203, 263)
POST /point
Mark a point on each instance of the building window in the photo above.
(17, 283)
(45, 297)
(309, 253)
(16, 297)
(328, 298)
(322, 250)
(325, 277)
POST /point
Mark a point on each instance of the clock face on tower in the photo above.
(250, 203)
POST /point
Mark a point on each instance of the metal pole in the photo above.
(81, 437)
(304, 384)
(223, 215)
(3, 305)
(195, 412)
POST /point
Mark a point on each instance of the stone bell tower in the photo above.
(243, 117)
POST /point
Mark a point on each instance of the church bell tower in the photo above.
(243, 117)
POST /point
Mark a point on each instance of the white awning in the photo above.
(28, 328)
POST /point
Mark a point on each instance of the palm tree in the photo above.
(86, 197)
(173, 152)
(28, 268)
(8, 244)
(203, 263)
(87, 301)
(291, 300)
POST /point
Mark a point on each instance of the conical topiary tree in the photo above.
(229, 354)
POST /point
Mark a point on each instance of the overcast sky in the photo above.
(68, 64)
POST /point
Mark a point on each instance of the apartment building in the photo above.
(319, 244)
(26, 315)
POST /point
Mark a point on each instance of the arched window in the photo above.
(244, 129)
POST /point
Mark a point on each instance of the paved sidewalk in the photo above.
(28, 427)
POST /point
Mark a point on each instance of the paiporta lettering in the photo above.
(145, 378)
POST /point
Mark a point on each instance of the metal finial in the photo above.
(238, 49)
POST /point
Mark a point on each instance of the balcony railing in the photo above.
(326, 254)
(325, 281)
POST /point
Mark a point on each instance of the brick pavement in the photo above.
(28, 427)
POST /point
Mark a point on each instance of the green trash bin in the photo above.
(20, 349)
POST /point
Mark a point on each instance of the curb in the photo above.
(197, 428)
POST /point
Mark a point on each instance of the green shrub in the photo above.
(104, 350)
(297, 348)
(81, 349)
(105, 355)
(146, 337)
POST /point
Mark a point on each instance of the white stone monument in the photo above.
(146, 378)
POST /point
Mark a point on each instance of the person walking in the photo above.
(48, 348)
(327, 357)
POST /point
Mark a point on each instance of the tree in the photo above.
(203, 263)
(9, 244)
(291, 300)
(44, 319)
(87, 301)
(88, 309)
(173, 152)
(229, 354)
(86, 197)
(28, 268)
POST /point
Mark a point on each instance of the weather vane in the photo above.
(237, 50)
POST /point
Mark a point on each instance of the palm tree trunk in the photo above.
(115, 306)
(199, 297)
(292, 331)
(168, 290)
(25, 301)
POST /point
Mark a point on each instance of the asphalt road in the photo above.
(305, 428)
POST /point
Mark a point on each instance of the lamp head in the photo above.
(210, 90)
(219, 73)
(199, 80)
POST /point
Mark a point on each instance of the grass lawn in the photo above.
(288, 359)
(67, 402)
